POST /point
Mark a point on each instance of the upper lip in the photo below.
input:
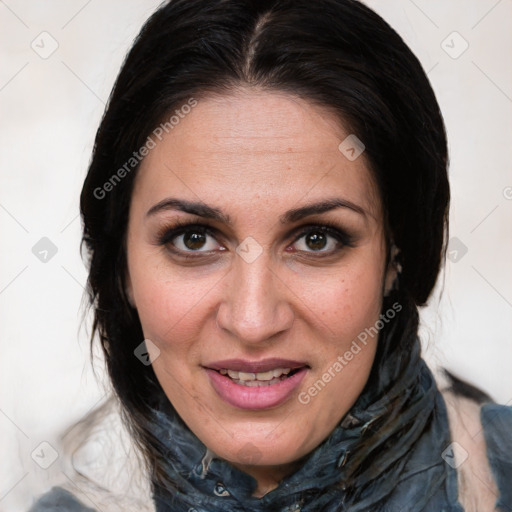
(264, 365)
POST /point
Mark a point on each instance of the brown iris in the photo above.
(316, 240)
(194, 240)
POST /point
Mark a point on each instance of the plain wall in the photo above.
(51, 106)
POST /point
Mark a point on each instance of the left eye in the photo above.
(317, 240)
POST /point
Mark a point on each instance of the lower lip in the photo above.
(257, 397)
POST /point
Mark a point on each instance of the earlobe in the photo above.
(393, 271)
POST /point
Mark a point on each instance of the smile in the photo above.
(258, 379)
(256, 385)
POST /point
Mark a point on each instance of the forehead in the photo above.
(255, 145)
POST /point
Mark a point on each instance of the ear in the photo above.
(392, 272)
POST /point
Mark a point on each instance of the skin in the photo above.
(255, 155)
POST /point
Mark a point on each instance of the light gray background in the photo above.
(50, 109)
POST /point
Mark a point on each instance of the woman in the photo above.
(265, 210)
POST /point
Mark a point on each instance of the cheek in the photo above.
(345, 302)
(344, 308)
(345, 343)
(171, 308)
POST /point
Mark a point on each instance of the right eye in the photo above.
(193, 241)
(190, 239)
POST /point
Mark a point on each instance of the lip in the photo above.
(264, 365)
(258, 397)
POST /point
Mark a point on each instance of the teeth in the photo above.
(250, 378)
(266, 375)
(257, 383)
(245, 376)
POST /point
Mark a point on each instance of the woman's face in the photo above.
(256, 258)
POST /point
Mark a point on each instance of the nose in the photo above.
(256, 304)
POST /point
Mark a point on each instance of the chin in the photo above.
(263, 451)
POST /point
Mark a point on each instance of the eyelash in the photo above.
(167, 235)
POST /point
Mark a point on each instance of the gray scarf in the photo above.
(399, 423)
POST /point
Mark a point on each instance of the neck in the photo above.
(268, 477)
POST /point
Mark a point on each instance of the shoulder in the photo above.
(59, 500)
(481, 434)
(497, 427)
(103, 468)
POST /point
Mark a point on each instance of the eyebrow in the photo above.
(320, 207)
(194, 208)
(203, 210)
